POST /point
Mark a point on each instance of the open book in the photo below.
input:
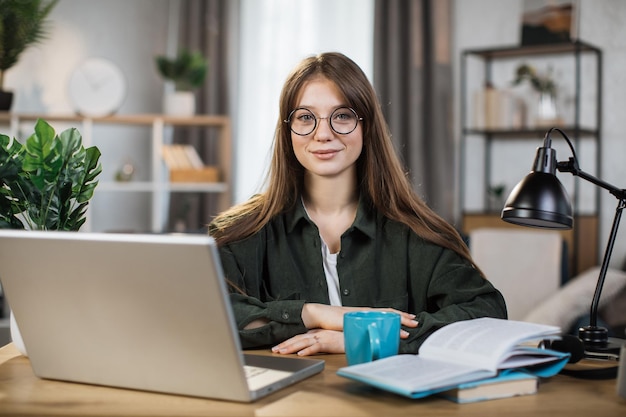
(462, 352)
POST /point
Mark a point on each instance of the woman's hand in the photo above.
(323, 316)
(312, 342)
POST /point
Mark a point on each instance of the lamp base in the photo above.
(598, 345)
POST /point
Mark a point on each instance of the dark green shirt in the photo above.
(382, 263)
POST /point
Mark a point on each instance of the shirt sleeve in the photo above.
(242, 271)
(455, 291)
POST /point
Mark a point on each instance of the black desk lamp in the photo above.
(540, 200)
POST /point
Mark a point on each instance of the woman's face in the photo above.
(324, 152)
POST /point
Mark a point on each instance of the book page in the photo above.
(482, 342)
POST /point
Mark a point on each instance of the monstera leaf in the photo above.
(47, 183)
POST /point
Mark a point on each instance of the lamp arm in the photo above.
(571, 166)
(605, 263)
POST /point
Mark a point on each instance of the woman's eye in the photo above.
(306, 118)
(343, 116)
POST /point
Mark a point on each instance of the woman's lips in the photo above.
(325, 153)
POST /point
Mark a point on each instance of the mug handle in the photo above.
(374, 340)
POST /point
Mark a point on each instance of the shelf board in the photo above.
(526, 50)
(131, 119)
(209, 187)
(145, 186)
(533, 133)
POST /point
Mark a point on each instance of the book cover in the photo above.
(463, 352)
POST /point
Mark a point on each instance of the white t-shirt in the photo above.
(332, 278)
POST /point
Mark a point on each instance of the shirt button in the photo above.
(346, 291)
(285, 315)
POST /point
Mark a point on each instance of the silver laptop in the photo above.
(147, 312)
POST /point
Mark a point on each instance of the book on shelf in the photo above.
(185, 165)
(181, 157)
(508, 383)
(463, 352)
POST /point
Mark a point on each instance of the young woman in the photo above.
(339, 228)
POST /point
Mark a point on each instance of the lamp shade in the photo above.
(539, 200)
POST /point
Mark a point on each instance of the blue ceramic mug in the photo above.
(370, 335)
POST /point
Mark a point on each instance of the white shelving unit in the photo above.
(158, 185)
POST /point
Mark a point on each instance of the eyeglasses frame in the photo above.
(316, 118)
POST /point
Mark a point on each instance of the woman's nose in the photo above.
(323, 132)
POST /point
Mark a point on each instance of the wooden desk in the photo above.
(325, 394)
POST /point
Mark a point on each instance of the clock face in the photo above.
(97, 88)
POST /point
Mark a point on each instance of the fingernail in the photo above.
(412, 316)
(404, 333)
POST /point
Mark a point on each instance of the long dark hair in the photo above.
(382, 179)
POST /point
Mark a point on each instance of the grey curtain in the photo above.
(203, 27)
(413, 78)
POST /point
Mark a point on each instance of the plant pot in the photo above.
(6, 100)
(16, 336)
(180, 103)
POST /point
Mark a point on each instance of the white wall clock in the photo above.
(97, 88)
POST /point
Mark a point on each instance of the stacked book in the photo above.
(185, 165)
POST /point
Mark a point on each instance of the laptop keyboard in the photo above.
(252, 371)
(259, 377)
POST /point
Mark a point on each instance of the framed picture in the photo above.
(548, 22)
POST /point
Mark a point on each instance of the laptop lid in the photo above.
(148, 312)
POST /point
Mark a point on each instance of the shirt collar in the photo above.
(365, 217)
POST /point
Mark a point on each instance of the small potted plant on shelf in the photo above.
(187, 72)
(22, 23)
(544, 85)
(540, 83)
(45, 184)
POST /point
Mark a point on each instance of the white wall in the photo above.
(492, 23)
(129, 33)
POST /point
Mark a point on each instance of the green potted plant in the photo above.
(22, 23)
(187, 72)
(46, 183)
(542, 83)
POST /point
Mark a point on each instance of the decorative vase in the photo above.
(180, 103)
(6, 100)
(16, 336)
(547, 114)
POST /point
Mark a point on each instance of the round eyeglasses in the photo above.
(303, 122)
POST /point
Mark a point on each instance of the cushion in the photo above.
(524, 264)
